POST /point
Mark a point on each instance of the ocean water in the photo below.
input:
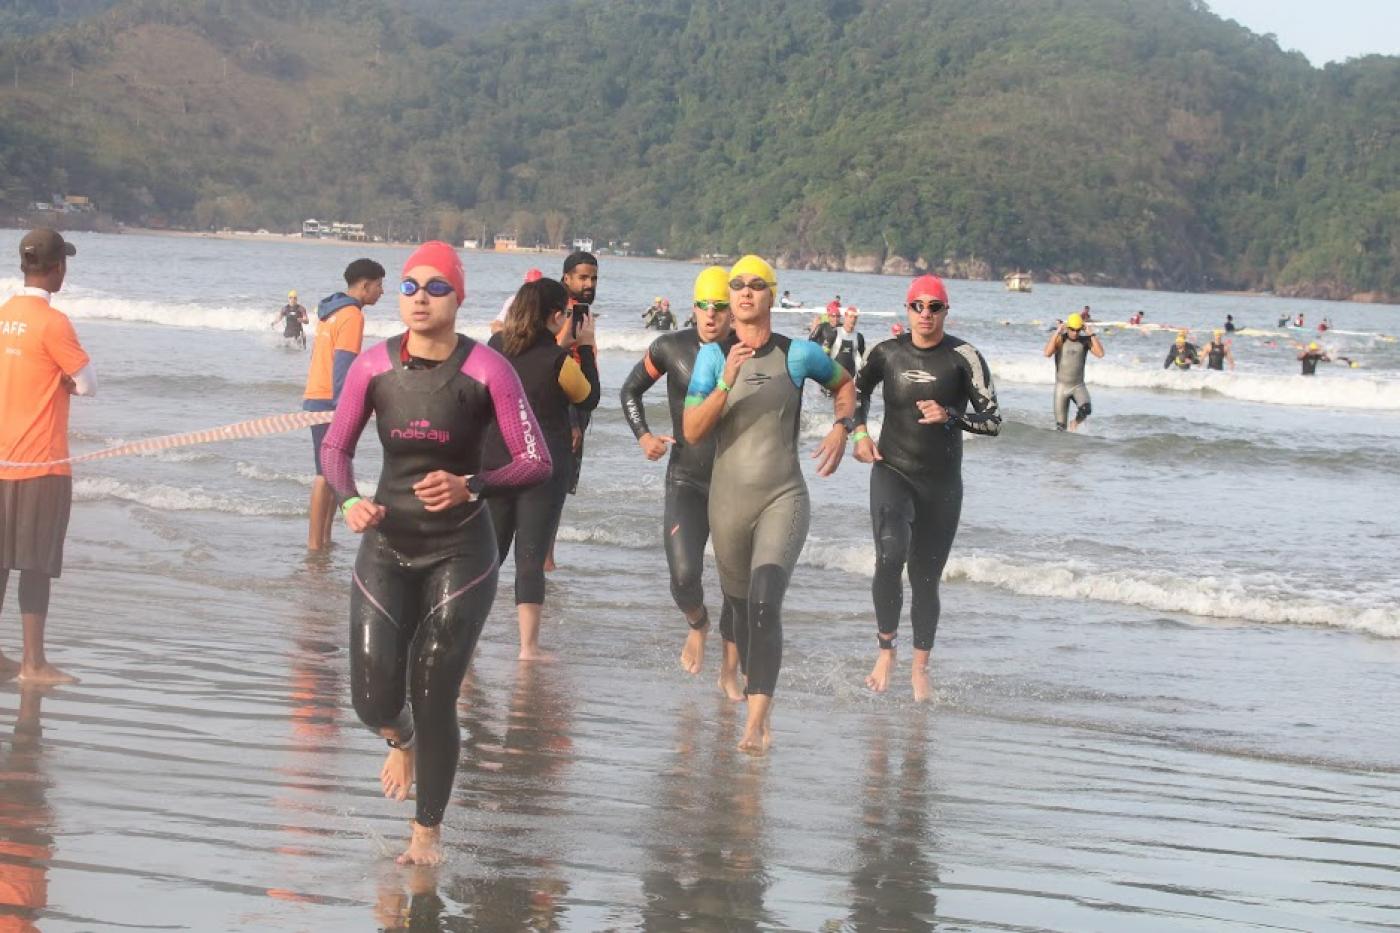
(1166, 669)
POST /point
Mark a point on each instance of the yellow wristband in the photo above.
(348, 504)
(722, 385)
(860, 436)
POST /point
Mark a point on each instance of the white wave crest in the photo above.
(598, 535)
(1206, 597)
(176, 499)
(263, 474)
(1332, 390)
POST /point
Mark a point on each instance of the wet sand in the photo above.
(209, 775)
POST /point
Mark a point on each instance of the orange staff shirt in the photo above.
(38, 348)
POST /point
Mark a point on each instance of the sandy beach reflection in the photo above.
(706, 842)
(26, 844)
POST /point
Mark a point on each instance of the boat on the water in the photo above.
(1018, 281)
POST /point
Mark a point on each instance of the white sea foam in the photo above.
(1207, 597)
(263, 474)
(1334, 390)
(176, 499)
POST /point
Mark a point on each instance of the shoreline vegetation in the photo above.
(1154, 146)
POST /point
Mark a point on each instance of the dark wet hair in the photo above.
(579, 258)
(362, 269)
(528, 317)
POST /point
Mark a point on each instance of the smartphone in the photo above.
(579, 310)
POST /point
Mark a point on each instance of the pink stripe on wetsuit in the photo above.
(529, 457)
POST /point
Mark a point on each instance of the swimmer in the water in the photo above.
(1217, 352)
(1182, 354)
(1071, 345)
(425, 575)
(751, 398)
(685, 524)
(554, 379)
(928, 378)
(293, 320)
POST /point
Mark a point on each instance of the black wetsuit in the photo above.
(1182, 356)
(686, 520)
(916, 489)
(847, 353)
(1310, 360)
(293, 320)
(1215, 355)
(531, 517)
(424, 581)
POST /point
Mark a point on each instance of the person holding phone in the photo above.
(558, 366)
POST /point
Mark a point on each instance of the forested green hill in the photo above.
(1126, 141)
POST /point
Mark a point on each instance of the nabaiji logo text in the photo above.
(420, 431)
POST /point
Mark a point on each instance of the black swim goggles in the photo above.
(932, 307)
(757, 285)
(437, 288)
(712, 305)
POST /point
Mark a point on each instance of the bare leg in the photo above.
(923, 690)
(8, 666)
(879, 679)
(396, 777)
(530, 633)
(693, 654)
(33, 607)
(424, 847)
(729, 673)
(322, 514)
(758, 736)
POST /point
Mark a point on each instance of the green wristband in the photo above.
(722, 385)
(348, 504)
(859, 436)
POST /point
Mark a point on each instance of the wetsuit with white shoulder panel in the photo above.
(916, 488)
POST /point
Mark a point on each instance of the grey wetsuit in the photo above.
(1069, 379)
(759, 508)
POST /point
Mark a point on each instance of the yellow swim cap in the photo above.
(1075, 321)
(1218, 332)
(291, 294)
(656, 300)
(1313, 345)
(754, 265)
(1181, 337)
(712, 284)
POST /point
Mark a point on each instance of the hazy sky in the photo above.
(1323, 30)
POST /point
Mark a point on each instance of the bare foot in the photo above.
(549, 565)
(424, 848)
(729, 676)
(396, 776)
(45, 674)
(879, 679)
(1074, 425)
(535, 654)
(693, 654)
(758, 735)
(923, 689)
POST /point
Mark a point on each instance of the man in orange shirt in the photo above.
(340, 331)
(41, 364)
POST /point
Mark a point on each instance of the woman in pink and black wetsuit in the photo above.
(425, 575)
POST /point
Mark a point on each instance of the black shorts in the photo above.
(33, 523)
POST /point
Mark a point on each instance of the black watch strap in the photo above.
(848, 423)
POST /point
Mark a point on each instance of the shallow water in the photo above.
(1163, 668)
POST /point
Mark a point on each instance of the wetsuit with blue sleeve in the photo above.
(424, 581)
(916, 488)
(760, 510)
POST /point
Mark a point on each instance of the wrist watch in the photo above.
(848, 423)
(475, 485)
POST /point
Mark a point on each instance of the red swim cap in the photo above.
(444, 261)
(533, 275)
(927, 285)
